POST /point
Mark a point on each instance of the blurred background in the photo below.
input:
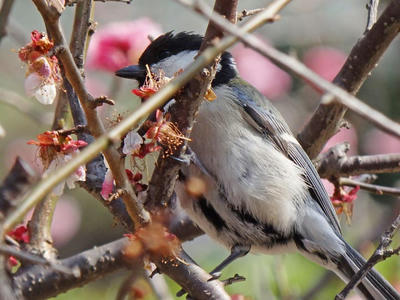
(320, 33)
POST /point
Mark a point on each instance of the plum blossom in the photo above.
(324, 61)
(108, 184)
(132, 142)
(56, 150)
(261, 72)
(120, 44)
(43, 74)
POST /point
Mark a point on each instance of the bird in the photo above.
(262, 193)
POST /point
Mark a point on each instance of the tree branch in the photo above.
(362, 60)
(380, 254)
(40, 282)
(336, 163)
(377, 189)
(4, 14)
(248, 13)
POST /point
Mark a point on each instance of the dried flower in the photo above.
(164, 132)
(153, 83)
(43, 74)
(154, 239)
(56, 150)
(344, 201)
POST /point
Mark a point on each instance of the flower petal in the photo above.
(32, 83)
(46, 94)
(132, 142)
(108, 184)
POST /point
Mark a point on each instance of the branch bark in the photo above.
(363, 58)
(336, 163)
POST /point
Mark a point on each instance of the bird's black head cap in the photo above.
(171, 44)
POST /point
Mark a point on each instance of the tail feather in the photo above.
(373, 286)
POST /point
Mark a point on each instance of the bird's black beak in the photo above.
(133, 72)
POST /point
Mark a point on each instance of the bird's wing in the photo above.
(266, 121)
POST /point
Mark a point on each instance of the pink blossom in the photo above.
(260, 72)
(108, 184)
(379, 142)
(324, 61)
(120, 44)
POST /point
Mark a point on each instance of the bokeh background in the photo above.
(318, 32)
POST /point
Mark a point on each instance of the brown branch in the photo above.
(380, 254)
(51, 18)
(377, 189)
(362, 60)
(336, 163)
(372, 8)
(4, 14)
(40, 282)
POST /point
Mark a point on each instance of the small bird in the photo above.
(262, 193)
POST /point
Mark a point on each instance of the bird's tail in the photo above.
(373, 286)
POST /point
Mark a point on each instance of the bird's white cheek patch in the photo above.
(174, 63)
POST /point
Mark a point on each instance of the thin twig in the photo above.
(380, 254)
(336, 94)
(372, 8)
(28, 257)
(362, 59)
(336, 163)
(377, 189)
(248, 13)
(4, 14)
